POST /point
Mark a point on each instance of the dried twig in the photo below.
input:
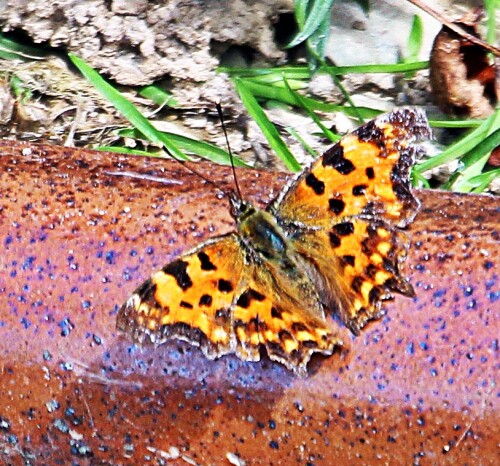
(455, 28)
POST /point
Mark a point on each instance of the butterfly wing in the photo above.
(189, 299)
(365, 174)
(348, 207)
(359, 262)
(287, 320)
(218, 298)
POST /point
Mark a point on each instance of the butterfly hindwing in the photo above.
(359, 262)
(265, 315)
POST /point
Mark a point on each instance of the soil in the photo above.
(179, 46)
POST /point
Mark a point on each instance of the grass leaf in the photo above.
(473, 163)
(12, 50)
(481, 182)
(303, 72)
(284, 95)
(126, 108)
(269, 130)
(303, 104)
(415, 39)
(317, 42)
(464, 145)
(314, 17)
(158, 95)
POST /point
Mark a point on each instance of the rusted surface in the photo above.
(79, 231)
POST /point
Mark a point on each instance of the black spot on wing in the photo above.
(284, 335)
(186, 305)
(276, 313)
(147, 291)
(206, 264)
(309, 344)
(178, 270)
(246, 298)
(205, 300)
(357, 283)
(334, 157)
(334, 240)
(299, 327)
(375, 294)
(359, 189)
(344, 228)
(348, 260)
(224, 286)
(337, 206)
(371, 270)
(315, 184)
(370, 173)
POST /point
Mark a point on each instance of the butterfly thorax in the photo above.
(270, 244)
(260, 231)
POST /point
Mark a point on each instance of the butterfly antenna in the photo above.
(191, 169)
(221, 117)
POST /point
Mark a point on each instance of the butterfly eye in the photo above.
(238, 207)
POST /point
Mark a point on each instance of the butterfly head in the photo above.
(240, 209)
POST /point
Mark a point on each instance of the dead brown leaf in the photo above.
(463, 79)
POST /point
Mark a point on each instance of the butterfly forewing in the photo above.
(366, 173)
(190, 298)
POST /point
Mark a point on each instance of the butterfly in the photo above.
(330, 242)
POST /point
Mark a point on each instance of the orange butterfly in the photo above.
(331, 241)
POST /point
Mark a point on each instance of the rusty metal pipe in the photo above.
(80, 230)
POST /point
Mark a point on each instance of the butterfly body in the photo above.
(330, 242)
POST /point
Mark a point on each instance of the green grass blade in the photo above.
(20, 89)
(347, 97)
(158, 95)
(418, 181)
(303, 104)
(318, 41)
(457, 150)
(384, 68)
(269, 130)
(12, 50)
(303, 72)
(473, 163)
(299, 138)
(415, 39)
(126, 108)
(283, 95)
(317, 10)
(300, 11)
(455, 123)
(127, 150)
(206, 150)
(491, 7)
(201, 148)
(481, 182)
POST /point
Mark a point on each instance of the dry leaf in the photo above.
(463, 80)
